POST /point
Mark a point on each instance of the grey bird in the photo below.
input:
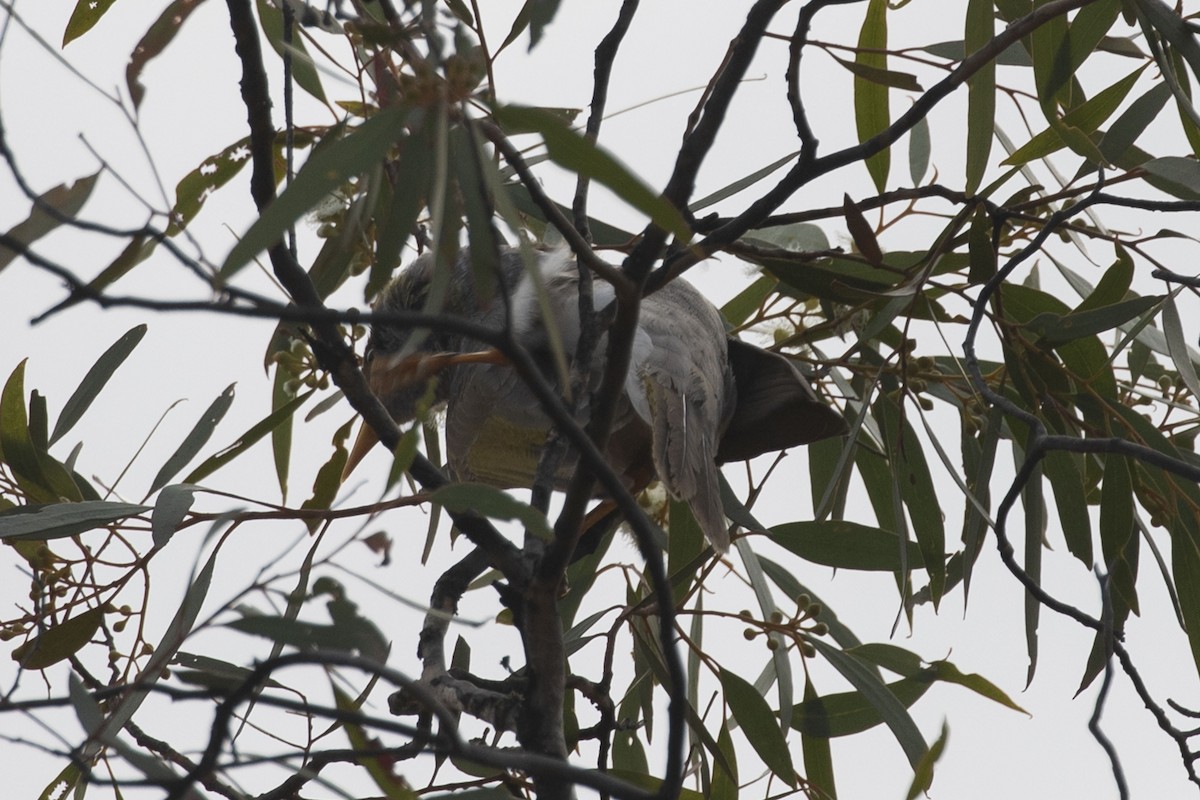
(694, 397)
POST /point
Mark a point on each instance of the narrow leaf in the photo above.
(758, 722)
(248, 439)
(848, 545)
(981, 94)
(155, 40)
(59, 641)
(327, 169)
(66, 200)
(877, 694)
(575, 152)
(63, 519)
(86, 14)
(96, 379)
(871, 110)
(195, 440)
(493, 503)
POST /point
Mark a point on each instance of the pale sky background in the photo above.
(192, 110)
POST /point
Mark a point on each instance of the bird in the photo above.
(694, 396)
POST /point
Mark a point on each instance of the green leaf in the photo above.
(919, 148)
(541, 14)
(877, 694)
(1071, 502)
(329, 476)
(981, 94)
(576, 153)
(871, 110)
(1055, 329)
(1185, 564)
(59, 641)
(980, 247)
(213, 673)
(725, 776)
(1177, 172)
(1118, 534)
(248, 439)
(66, 200)
(381, 768)
(818, 758)
(63, 519)
(1086, 117)
(906, 456)
(39, 475)
(923, 772)
(1035, 532)
(848, 545)
(847, 713)
(86, 14)
(1118, 143)
(1015, 55)
(170, 508)
(198, 185)
(758, 722)
(155, 40)
(884, 77)
(401, 204)
(861, 232)
(326, 170)
(281, 434)
(494, 503)
(96, 379)
(746, 302)
(1177, 345)
(195, 440)
(731, 189)
(304, 72)
(945, 671)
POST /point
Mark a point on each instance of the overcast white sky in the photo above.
(192, 110)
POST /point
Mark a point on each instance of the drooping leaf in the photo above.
(39, 475)
(923, 772)
(758, 722)
(871, 109)
(329, 476)
(919, 149)
(157, 37)
(818, 757)
(878, 695)
(1071, 503)
(326, 169)
(862, 232)
(981, 93)
(305, 74)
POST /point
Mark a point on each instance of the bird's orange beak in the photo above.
(376, 375)
(386, 378)
(365, 440)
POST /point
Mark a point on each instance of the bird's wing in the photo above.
(681, 385)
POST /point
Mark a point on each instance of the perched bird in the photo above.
(694, 396)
